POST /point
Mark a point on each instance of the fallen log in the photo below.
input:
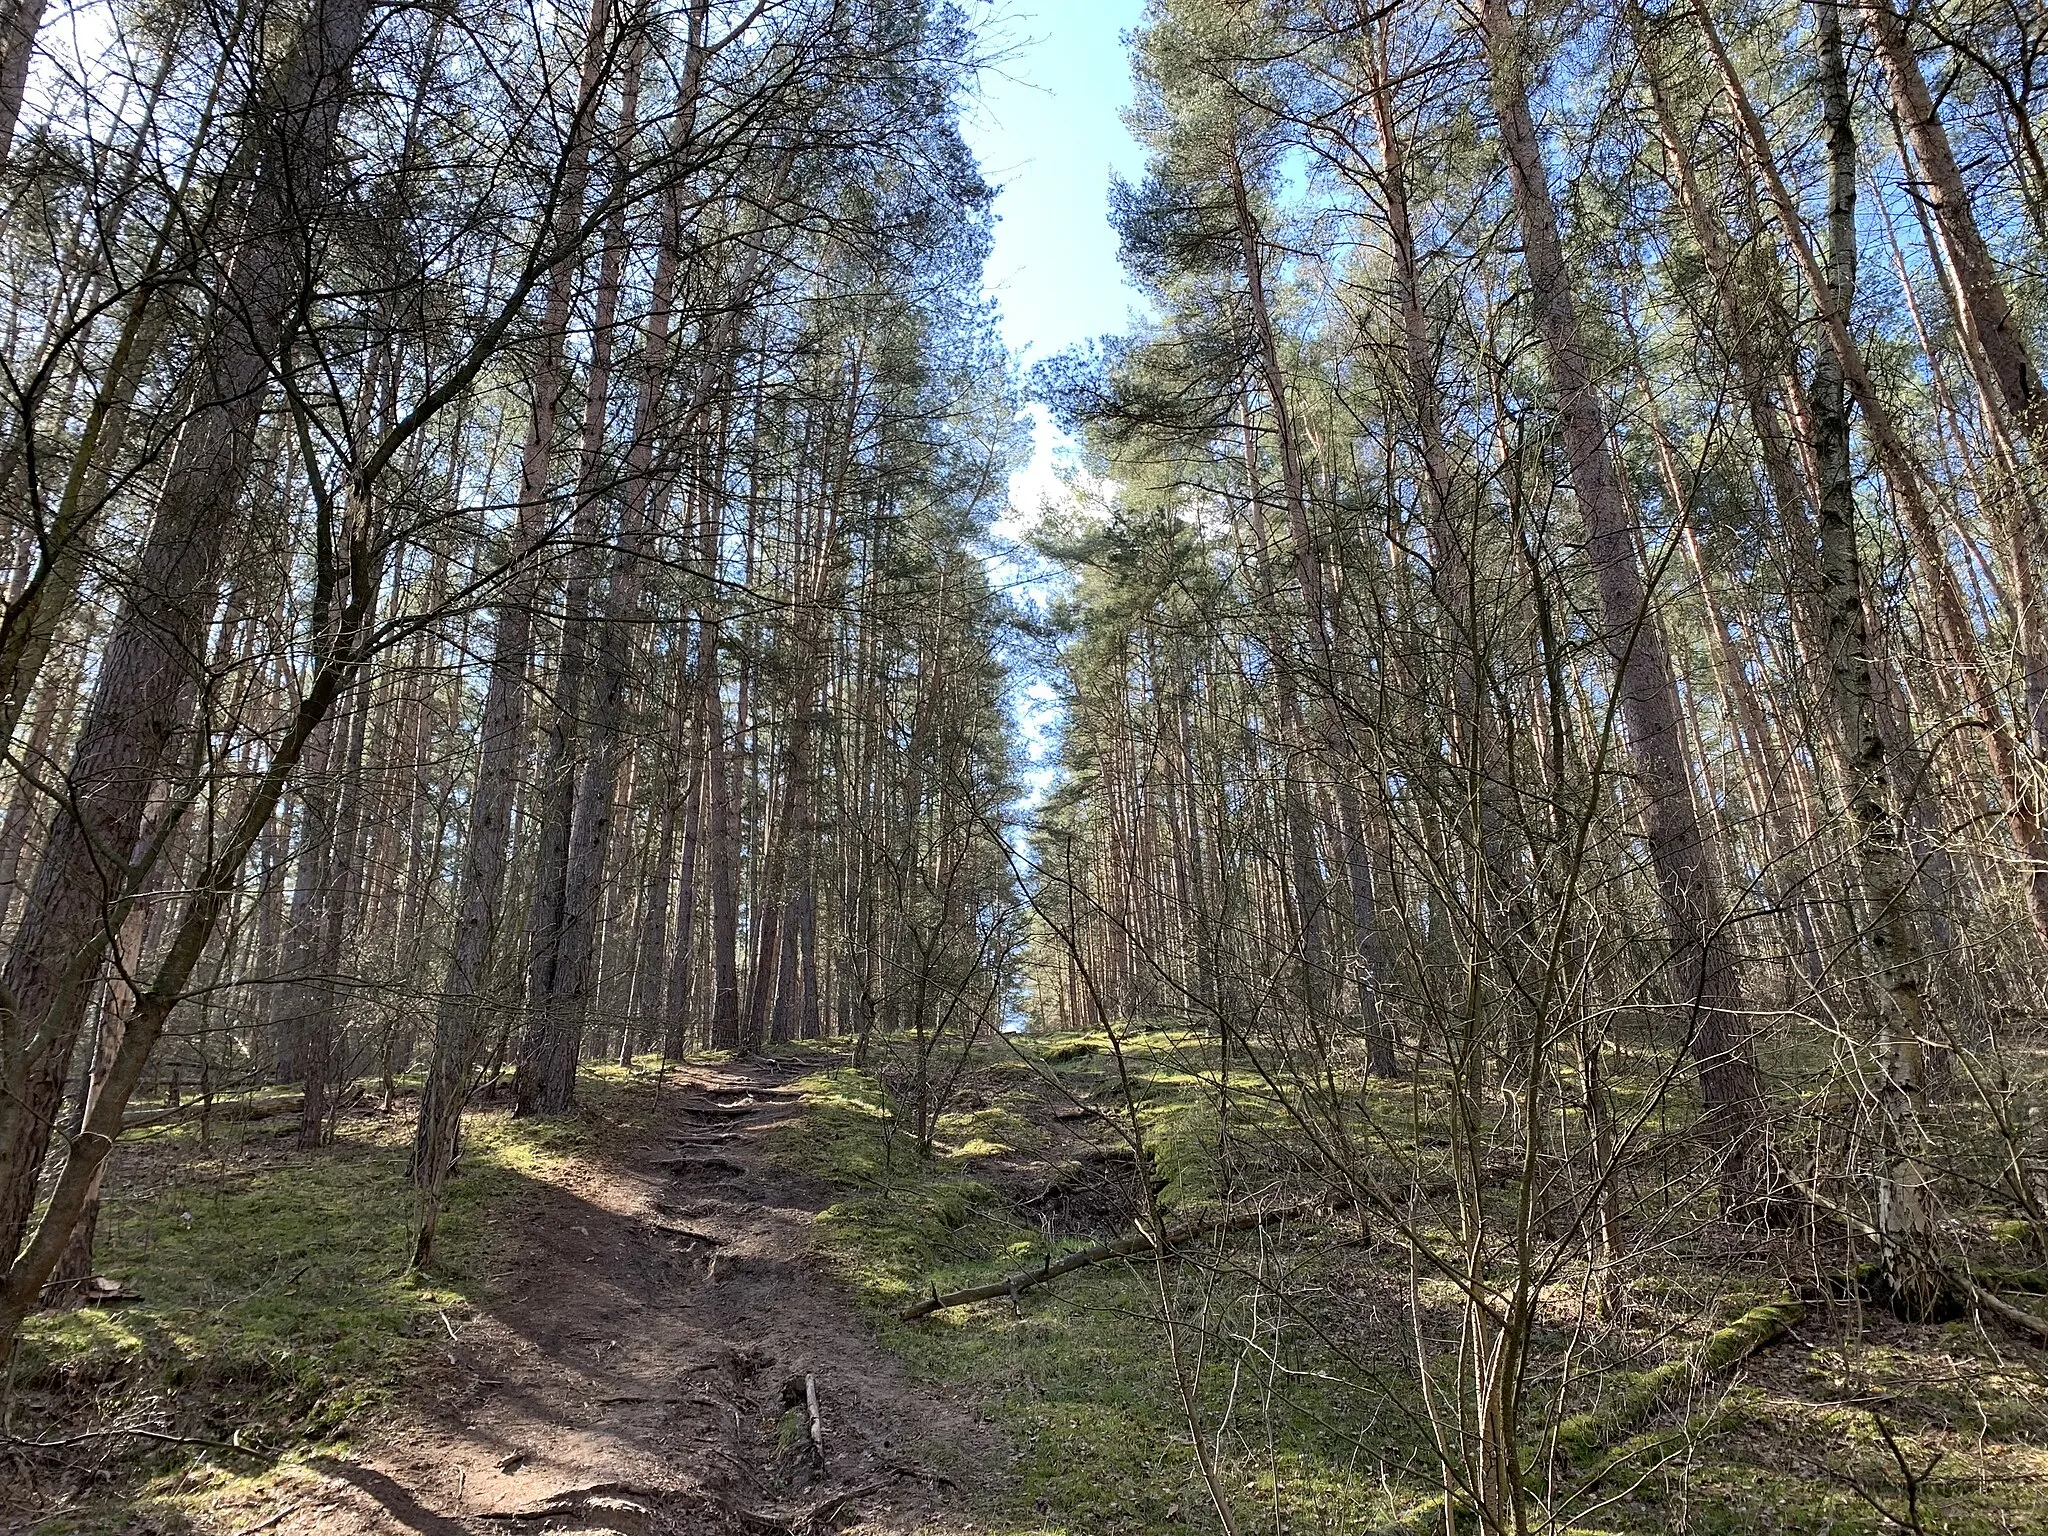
(2014, 1317)
(1585, 1435)
(1140, 1241)
(1966, 1287)
(221, 1111)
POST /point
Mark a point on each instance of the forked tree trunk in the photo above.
(117, 1003)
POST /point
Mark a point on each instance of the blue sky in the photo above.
(1047, 132)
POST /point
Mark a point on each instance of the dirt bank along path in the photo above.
(649, 1361)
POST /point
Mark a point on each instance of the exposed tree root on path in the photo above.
(627, 1372)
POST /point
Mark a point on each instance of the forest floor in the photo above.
(630, 1302)
(628, 1351)
(657, 1331)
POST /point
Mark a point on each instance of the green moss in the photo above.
(1075, 1374)
(276, 1295)
(275, 1304)
(1079, 1384)
(1625, 1404)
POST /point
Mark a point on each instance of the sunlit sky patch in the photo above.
(1048, 131)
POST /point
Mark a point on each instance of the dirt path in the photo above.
(642, 1368)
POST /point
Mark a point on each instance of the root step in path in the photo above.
(659, 1353)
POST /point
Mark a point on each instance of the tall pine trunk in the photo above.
(1682, 847)
(1881, 875)
(462, 1020)
(146, 682)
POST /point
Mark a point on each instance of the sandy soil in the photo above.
(642, 1366)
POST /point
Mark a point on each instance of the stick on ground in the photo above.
(1122, 1247)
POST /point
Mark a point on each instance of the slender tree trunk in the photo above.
(1987, 313)
(1954, 623)
(461, 1023)
(1703, 965)
(678, 1032)
(1360, 882)
(1880, 874)
(66, 1283)
(337, 903)
(145, 682)
(48, 728)
(19, 24)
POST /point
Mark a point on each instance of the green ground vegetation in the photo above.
(1296, 1348)
(275, 1312)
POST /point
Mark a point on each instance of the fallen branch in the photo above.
(275, 1520)
(222, 1111)
(2007, 1281)
(754, 1520)
(597, 1499)
(157, 1435)
(1140, 1241)
(2005, 1311)
(1984, 1297)
(1585, 1435)
(819, 1516)
(816, 1423)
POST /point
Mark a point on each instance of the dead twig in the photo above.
(263, 1525)
(810, 1522)
(157, 1435)
(819, 1516)
(816, 1423)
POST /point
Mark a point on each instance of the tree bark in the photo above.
(1987, 311)
(75, 1266)
(1682, 851)
(19, 24)
(545, 1078)
(146, 676)
(1956, 630)
(461, 1023)
(1881, 876)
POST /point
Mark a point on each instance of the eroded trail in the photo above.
(646, 1363)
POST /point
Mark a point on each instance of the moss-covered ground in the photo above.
(275, 1313)
(1295, 1352)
